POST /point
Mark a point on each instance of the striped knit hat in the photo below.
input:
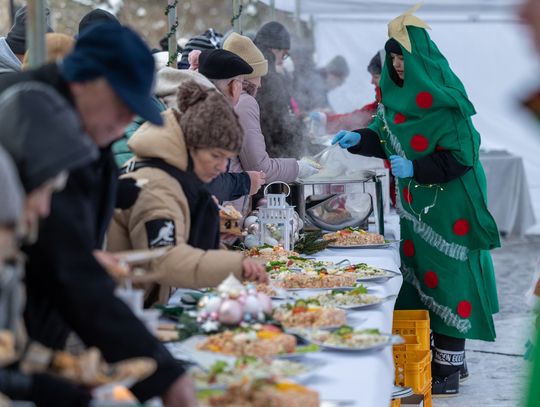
(209, 40)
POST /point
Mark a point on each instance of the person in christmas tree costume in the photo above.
(423, 125)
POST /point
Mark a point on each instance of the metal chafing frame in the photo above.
(306, 188)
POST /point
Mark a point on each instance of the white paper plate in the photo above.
(134, 257)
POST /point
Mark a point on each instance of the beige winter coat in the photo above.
(163, 199)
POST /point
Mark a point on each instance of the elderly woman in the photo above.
(424, 127)
(174, 209)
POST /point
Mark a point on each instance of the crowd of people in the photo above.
(106, 149)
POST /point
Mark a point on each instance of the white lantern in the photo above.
(276, 219)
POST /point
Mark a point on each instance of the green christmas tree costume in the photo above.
(446, 229)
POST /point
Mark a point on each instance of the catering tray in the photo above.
(365, 306)
(390, 341)
(386, 244)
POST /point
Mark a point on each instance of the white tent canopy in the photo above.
(483, 40)
(352, 7)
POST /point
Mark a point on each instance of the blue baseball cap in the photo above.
(119, 54)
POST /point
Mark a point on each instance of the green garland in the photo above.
(237, 16)
(174, 57)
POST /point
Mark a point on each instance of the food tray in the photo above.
(364, 306)
(386, 244)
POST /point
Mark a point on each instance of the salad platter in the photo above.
(349, 299)
(348, 339)
(223, 373)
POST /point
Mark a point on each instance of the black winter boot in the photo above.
(448, 356)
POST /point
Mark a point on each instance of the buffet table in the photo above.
(363, 378)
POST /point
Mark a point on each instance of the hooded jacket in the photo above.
(67, 145)
(8, 60)
(283, 132)
(162, 201)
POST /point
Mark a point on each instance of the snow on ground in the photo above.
(498, 370)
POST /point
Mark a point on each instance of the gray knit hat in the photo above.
(273, 35)
(11, 198)
(207, 119)
(16, 37)
(338, 66)
(42, 133)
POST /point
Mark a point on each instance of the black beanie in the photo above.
(222, 64)
(45, 136)
(96, 16)
(393, 46)
(16, 37)
(375, 65)
(273, 35)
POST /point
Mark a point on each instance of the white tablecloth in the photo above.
(362, 379)
(509, 200)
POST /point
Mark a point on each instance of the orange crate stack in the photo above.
(412, 360)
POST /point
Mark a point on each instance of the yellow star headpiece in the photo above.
(397, 28)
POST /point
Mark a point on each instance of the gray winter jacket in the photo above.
(253, 156)
(8, 61)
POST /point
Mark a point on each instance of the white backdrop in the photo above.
(493, 59)
(483, 41)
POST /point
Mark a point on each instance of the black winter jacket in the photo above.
(282, 131)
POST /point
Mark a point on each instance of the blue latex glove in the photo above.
(346, 139)
(401, 167)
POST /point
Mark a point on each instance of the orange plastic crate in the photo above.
(428, 402)
(413, 369)
(395, 403)
(413, 323)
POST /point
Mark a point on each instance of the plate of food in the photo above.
(270, 253)
(348, 339)
(257, 340)
(275, 293)
(262, 392)
(293, 264)
(355, 299)
(315, 280)
(222, 373)
(309, 314)
(351, 238)
(365, 272)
